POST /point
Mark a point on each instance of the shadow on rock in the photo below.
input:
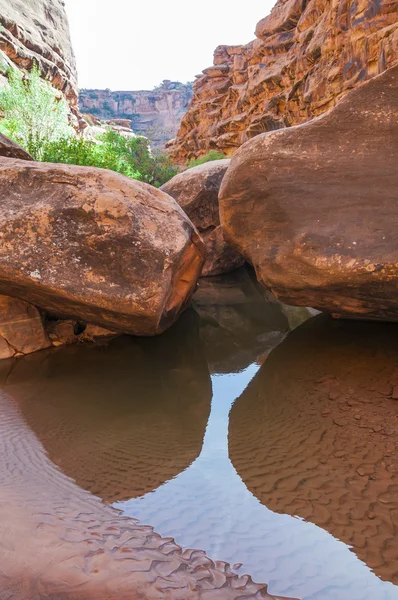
(321, 418)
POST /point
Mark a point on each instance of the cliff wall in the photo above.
(306, 56)
(156, 114)
(38, 31)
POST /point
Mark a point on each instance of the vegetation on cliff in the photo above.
(35, 116)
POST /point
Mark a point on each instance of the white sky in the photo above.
(135, 44)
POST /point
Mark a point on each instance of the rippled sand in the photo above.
(315, 434)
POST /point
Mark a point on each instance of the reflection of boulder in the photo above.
(238, 323)
(58, 541)
(322, 424)
(123, 418)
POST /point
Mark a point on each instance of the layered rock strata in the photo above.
(196, 191)
(37, 31)
(156, 114)
(314, 207)
(305, 57)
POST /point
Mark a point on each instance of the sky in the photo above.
(135, 44)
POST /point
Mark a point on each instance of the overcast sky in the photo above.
(135, 44)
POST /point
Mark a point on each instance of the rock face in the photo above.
(10, 149)
(37, 31)
(21, 328)
(306, 56)
(155, 114)
(196, 191)
(95, 246)
(314, 207)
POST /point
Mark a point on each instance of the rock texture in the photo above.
(314, 207)
(196, 191)
(305, 57)
(10, 149)
(37, 31)
(95, 246)
(155, 114)
(21, 328)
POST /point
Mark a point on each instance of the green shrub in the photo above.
(212, 155)
(38, 119)
(33, 112)
(129, 156)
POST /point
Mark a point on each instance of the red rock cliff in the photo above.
(38, 31)
(306, 55)
(156, 114)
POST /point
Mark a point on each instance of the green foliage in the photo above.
(129, 156)
(33, 111)
(38, 119)
(212, 155)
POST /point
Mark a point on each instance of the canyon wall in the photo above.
(307, 54)
(37, 31)
(156, 114)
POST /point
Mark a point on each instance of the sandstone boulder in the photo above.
(21, 328)
(196, 191)
(314, 207)
(96, 246)
(10, 149)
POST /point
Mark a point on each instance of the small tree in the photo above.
(33, 112)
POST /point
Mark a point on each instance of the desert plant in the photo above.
(212, 155)
(130, 156)
(33, 111)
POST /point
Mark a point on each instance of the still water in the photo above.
(260, 433)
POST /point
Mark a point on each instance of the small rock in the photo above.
(388, 431)
(357, 417)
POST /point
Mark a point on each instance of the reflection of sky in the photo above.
(209, 507)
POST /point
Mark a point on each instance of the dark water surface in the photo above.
(287, 470)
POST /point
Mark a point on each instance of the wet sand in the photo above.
(315, 434)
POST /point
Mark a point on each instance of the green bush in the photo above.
(129, 156)
(33, 112)
(212, 155)
(38, 119)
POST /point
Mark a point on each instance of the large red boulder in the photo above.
(314, 207)
(196, 191)
(96, 246)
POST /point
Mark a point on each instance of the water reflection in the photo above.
(142, 424)
(314, 435)
(123, 418)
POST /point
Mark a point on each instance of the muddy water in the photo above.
(288, 470)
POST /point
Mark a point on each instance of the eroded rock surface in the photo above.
(321, 418)
(10, 149)
(37, 31)
(156, 114)
(314, 207)
(21, 328)
(95, 246)
(196, 191)
(305, 57)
